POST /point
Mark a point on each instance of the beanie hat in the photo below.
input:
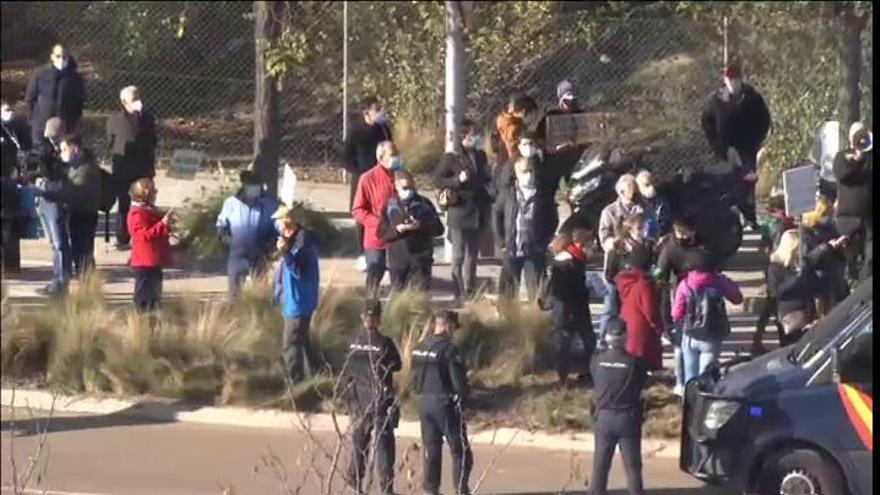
(565, 90)
(733, 71)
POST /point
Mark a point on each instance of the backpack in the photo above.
(706, 316)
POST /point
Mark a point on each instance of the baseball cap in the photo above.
(373, 307)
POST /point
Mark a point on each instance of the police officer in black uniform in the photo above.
(372, 358)
(618, 378)
(439, 375)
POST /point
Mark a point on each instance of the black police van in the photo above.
(798, 420)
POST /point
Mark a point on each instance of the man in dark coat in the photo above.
(854, 171)
(408, 227)
(131, 139)
(55, 90)
(563, 157)
(466, 176)
(359, 154)
(16, 141)
(737, 117)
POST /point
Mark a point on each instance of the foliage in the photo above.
(421, 148)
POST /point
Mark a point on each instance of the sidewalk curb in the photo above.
(156, 410)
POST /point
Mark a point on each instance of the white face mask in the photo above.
(6, 115)
(60, 64)
(66, 157)
(136, 106)
(527, 150)
(405, 194)
(733, 85)
(648, 191)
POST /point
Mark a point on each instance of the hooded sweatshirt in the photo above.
(639, 309)
(698, 280)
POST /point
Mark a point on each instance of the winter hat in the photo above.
(733, 71)
(615, 333)
(565, 91)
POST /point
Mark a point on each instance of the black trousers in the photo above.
(465, 252)
(11, 248)
(123, 204)
(441, 419)
(615, 428)
(567, 327)
(82, 228)
(768, 311)
(368, 421)
(147, 289)
(417, 275)
(375, 271)
(358, 227)
(296, 349)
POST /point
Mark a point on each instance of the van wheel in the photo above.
(800, 472)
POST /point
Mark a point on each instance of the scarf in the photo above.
(576, 253)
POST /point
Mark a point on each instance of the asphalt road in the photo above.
(98, 455)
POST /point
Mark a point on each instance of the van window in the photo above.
(856, 357)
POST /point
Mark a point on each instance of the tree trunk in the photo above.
(849, 57)
(455, 74)
(267, 123)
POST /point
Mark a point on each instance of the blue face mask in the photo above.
(396, 164)
(476, 142)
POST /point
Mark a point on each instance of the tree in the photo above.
(849, 58)
(267, 124)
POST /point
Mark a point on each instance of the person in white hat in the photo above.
(853, 168)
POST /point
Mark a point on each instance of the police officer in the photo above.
(440, 377)
(618, 379)
(372, 358)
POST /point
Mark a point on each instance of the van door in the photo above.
(855, 370)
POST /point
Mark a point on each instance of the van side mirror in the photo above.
(835, 365)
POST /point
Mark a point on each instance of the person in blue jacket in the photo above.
(296, 291)
(245, 224)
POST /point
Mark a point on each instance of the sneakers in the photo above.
(360, 264)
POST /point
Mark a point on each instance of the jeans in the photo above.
(54, 221)
(375, 271)
(82, 241)
(610, 307)
(512, 270)
(465, 251)
(697, 355)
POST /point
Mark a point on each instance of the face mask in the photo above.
(648, 192)
(252, 191)
(475, 142)
(405, 194)
(380, 118)
(396, 164)
(66, 157)
(60, 64)
(527, 150)
(734, 86)
(6, 115)
(137, 106)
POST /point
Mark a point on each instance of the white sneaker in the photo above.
(360, 264)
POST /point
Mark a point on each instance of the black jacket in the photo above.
(372, 359)
(54, 93)
(131, 139)
(855, 187)
(473, 195)
(82, 190)
(359, 154)
(677, 259)
(401, 248)
(618, 378)
(741, 124)
(796, 290)
(506, 208)
(438, 368)
(568, 299)
(16, 130)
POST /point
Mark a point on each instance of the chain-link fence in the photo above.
(195, 64)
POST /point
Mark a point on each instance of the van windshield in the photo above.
(829, 327)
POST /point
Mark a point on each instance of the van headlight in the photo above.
(719, 413)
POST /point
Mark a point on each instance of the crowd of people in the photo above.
(661, 279)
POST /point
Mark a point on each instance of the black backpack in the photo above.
(706, 316)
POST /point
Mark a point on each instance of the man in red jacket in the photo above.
(375, 187)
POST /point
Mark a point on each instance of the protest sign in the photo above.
(799, 188)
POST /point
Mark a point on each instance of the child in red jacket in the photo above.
(150, 250)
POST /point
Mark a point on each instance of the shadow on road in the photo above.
(31, 423)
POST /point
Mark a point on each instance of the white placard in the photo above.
(799, 187)
(287, 188)
(185, 163)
